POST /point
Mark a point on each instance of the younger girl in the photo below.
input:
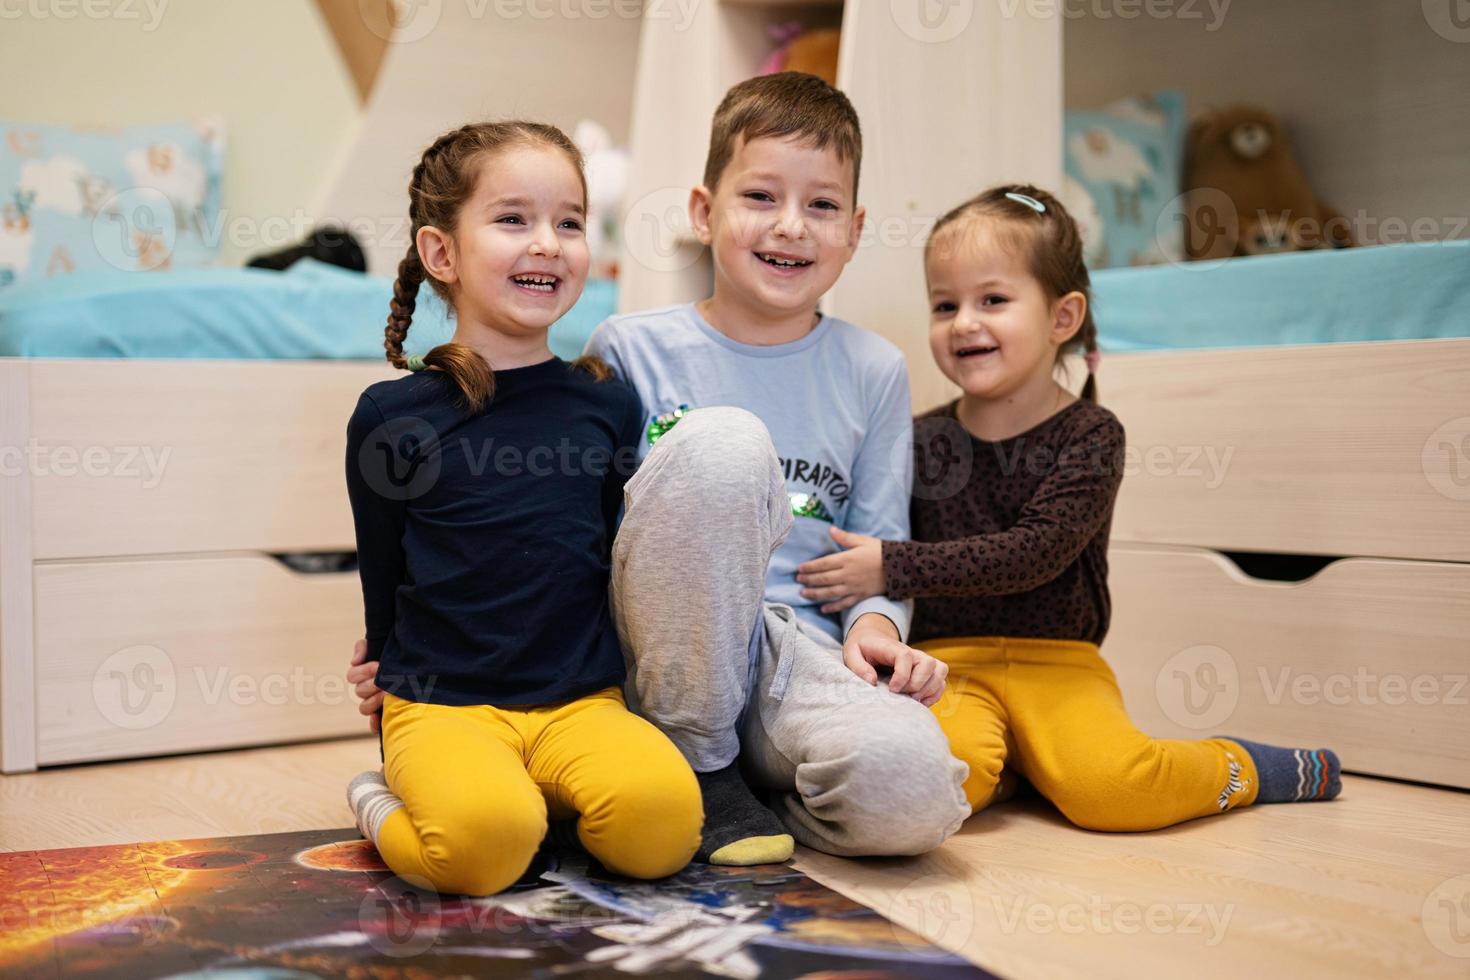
(485, 506)
(1009, 559)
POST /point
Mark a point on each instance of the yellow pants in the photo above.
(1051, 711)
(478, 783)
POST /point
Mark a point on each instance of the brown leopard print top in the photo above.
(1010, 538)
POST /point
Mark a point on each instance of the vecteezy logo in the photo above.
(400, 916)
(932, 21)
(1446, 459)
(135, 687)
(400, 459)
(136, 229)
(1450, 19)
(656, 232)
(943, 460)
(1446, 916)
(1208, 223)
(939, 909)
(1198, 687)
(400, 21)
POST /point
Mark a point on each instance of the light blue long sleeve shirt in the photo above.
(836, 403)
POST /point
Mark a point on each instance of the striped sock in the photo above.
(371, 801)
(1291, 775)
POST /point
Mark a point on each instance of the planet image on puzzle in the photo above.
(352, 855)
(219, 860)
(90, 892)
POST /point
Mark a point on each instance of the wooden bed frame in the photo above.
(141, 503)
(1356, 452)
(148, 615)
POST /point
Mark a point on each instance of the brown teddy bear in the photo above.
(1247, 194)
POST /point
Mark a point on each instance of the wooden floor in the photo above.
(1366, 886)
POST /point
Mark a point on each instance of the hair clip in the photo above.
(415, 363)
(1030, 202)
(1092, 357)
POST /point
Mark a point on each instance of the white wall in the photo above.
(269, 67)
(1376, 100)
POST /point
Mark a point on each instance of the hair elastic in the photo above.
(1092, 358)
(1030, 202)
(415, 363)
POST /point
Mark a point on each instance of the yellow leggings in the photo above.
(477, 784)
(1051, 711)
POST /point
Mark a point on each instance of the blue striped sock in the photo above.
(1290, 775)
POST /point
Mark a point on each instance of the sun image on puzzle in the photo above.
(322, 904)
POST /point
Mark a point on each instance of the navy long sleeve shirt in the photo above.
(483, 539)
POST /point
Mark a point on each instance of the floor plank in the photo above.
(1374, 884)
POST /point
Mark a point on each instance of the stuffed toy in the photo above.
(1239, 159)
(813, 52)
(329, 244)
(607, 177)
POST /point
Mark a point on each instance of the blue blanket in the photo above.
(1390, 292)
(312, 311)
(316, 311)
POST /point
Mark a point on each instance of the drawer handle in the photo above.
(1271, 566)
(318, 562)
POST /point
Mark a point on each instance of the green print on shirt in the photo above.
(661, 424)
(810, 505)
(802, 504)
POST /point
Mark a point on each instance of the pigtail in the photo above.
(595, 366)
(401, 306)
(1070, 253)
(1089, 347)
(470, 371)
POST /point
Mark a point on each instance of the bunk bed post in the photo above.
(950, 105)
(680, 79)
(17, 635)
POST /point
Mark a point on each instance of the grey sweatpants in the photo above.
(855, 769)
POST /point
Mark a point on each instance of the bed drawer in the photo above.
(1368, 657)
(157, 457)
(149, 657)
(1336, 449)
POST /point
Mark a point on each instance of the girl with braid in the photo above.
(485, 487)
(1012, 503)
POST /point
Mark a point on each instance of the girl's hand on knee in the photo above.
(926, 680)
(912, 672)
(920, 676)
(843, 580)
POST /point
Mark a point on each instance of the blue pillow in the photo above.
(136, 199)
(1128, 160)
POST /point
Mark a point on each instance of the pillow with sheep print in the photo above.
(139, 199)
(1125, 163)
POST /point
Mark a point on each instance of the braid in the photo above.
(400, 308)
